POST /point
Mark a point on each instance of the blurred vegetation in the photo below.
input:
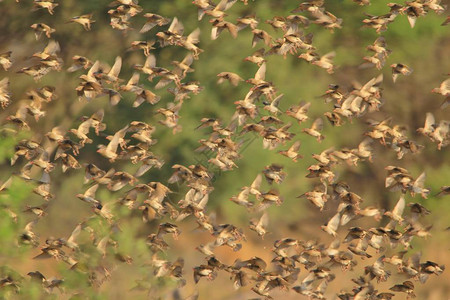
(424, 48)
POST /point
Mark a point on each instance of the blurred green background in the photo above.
(425, 48)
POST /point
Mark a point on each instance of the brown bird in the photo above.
(445, 190)
(219, 25)
(318, 196)
(327, 19)
(233, 78)
(113, 75)
(218, 11)
(379, 47)
(110, 151)
(146, 46)
(183, 67)
(45, 4)
(332, 225)
(79, 62)
(190, 42)
(417, 186)
(69, 162)
(315, 129)
(362, 2)
(292, 152)
(398, 69)
(5, 96)
(274, 173)
(260, 226)
(204, 271)
(299, 112)
(396, 213)
(249, 20)
(152, 21)
(446, 22)
(89, 196)
(259, 35)
(84, 20)
(5, 60)
(406, 287)
(326, 62)
(40, 28)
(172, 35)
(444, 90)
(257, 57)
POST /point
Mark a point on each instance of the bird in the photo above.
(89, 196)
(110, 151)
(50, 5)
(40, 28)
(445, 190)
(443, 89)
(84, 20)
(257, 57)
(152, 21)
(292, 152)
(113, 74)
(258, 35)
(233, 78)
(332, 225)
(315, 129)
(260, 226)
(299, 112)
(396, 213)
(326, 62)
(5, 96)
(5, 60)
(219, 25)
(406, 287)
(398, 69)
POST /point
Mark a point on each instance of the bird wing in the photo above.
(176, 26)
(98, 115)
(52, 48)
(94, 69)
(420, 181)
(150, 61)
(4, 84)
(193, 37)
(333, 223)
(277, 100)
(261, 73)
(189, 59)
(366, 145)
(115, 70)
(399, 207)
(329, 56)
(429, 122)
(295, 147)
(30, 225)
(75, 233)
(256, 184)
(223, 5)
(112, 146)
(445, 87)
(263, 221)
(134, 80)
(90, 192)
(317, 124)
(85, 126)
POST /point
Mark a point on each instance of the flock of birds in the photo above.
(134, 142)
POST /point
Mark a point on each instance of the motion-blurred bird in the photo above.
(398, 69)
(40, 28)
(84, 20)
